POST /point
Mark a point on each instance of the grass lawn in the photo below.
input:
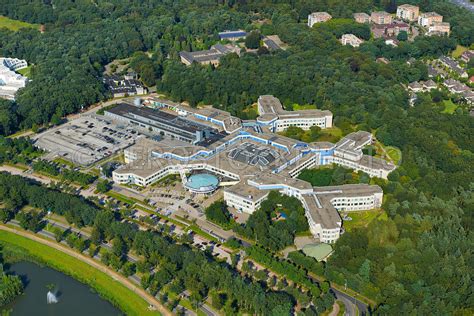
(297, 107)
(342, 308)
(119, 295)
(362, 218)
(394, 153)
(332, 134)
(459, 50)
(449, 107)
(64, 162)
(15, 25)
(122, 198)
(25, 71)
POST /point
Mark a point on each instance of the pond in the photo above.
(74, 298)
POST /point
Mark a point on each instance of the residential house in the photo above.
(389, 30)
(381, 17)
(318, 17)
(408, 12)
(362, 17)
(351, 39)
(454, 86)
(415, 87)
(429, 18)
(392, 42)
(429, 85)
(468, 96)
(467, 56)
(454, 66)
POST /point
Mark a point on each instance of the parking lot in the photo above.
(86, 140)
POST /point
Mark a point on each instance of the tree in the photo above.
(118, 247)
(58, 233)
(252, 40)
(6, 215)
(217, 212)
(402, 36)
(104, 186)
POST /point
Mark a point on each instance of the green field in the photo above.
(297, 107)
(449, 107)
(111, 290)
(15, 25)
(362, 218)
(458, 51)
(25, 71)
(332, 134)
(395, 154)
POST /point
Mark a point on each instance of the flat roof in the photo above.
(348, 190)
(246, 191)
(322, 211)
(134, 112)
(271, 106)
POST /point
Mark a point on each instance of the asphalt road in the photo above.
(351, 303)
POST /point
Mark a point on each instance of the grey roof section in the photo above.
(453, 65)
(246, 191)
(347, 190)
(322, 211)
(252, 154)
(213, 54)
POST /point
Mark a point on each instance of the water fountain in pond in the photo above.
(51, 298)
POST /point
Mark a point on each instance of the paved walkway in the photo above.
(99, 266)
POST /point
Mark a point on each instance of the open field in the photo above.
(25, 71)
(458, 51)
(449, 107)
(362, 218)
(104, 284)
(297, 107)
(332, 135)
(395, 154)
(15, 25)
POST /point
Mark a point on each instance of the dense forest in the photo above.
(418, 261)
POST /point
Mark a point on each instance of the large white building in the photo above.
(10, 81)
(251, 161)
(274, 116)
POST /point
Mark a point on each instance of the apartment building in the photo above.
(429, 18)
(362, 17)
(318, 17)
(381, 17)
(408, 12)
